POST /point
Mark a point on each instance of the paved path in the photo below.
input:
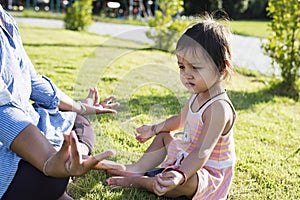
(247, 51)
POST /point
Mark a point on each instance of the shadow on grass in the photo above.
(56, 45)
(133, 47)
(142, 104)
(245, 100)
(106, 44)
(94, 184)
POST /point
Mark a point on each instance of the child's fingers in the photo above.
(164, 180)
(141, 139)
(141, 129)
(158, 188)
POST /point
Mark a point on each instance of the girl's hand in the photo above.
(167, 181)
(145, 132)
(91, 105)
(68, 160)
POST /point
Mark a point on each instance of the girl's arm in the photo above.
(175, 122)
(217, 120)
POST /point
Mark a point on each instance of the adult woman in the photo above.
(33, 145)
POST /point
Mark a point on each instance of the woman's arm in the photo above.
(46, 94)
(33, 147)
(89, 105)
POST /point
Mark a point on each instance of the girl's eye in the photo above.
(181, 67)
(194, 67)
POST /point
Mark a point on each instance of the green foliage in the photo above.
(165, 30)
(256, 9)
(233, 7)
(79, 16)
(283, 42)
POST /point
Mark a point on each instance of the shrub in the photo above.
(234, 8)
(79, 16)
(166, 29)
(283, 43)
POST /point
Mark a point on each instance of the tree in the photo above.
(256, 10)
(283, 43)
(196, 7)
(234, 8)
(79, 16)
(165, 26)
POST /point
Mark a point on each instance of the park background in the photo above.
(146, 83)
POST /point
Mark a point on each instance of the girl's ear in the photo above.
(228, 64)
(226, 71)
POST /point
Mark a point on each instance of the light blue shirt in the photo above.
(20, 83)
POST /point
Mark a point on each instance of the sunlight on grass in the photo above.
(250, 28)
(147, 85)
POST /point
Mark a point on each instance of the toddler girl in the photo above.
(197, 163)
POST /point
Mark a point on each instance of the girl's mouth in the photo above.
(188, 84)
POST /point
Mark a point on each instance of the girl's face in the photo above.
(197, 71)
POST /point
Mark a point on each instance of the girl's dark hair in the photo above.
(214, 38)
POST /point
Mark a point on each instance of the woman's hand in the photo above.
(91, 105)
(167, 181)
(68, 160)
(145, 132)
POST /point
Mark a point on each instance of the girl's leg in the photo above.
(152, 157)
(141, 182)
(155, 154)
(146, 183)
(30, 183)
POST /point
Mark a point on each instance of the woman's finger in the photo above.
(101, 156)
(107, 164)
(96, 97)
(109, 99)
(66, 143)
(93, 161)
(75, 154)
(91, 93)
(111, 105)
(105, 110)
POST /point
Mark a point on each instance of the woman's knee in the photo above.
(84, 132)
(40, 187)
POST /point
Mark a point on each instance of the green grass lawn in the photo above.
(147, 85)
(250, 28)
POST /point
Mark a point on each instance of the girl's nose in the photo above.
(187, 75)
